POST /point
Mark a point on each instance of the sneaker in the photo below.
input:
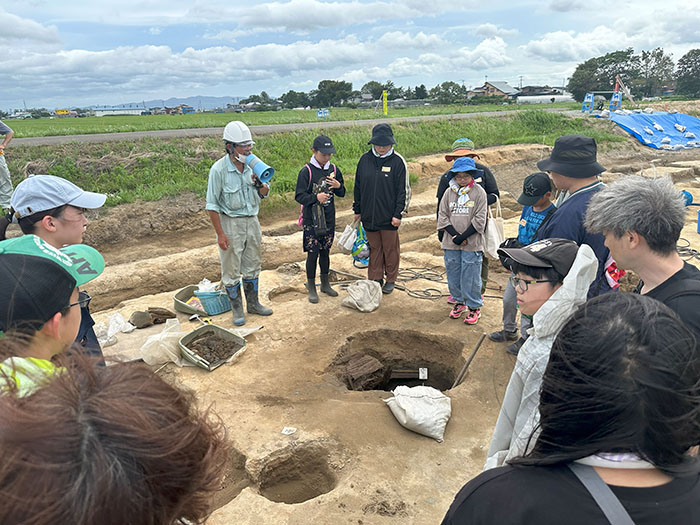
(515, 347)
(503, 335)
(457, 311)
(473, 316)
(388, 287)
(451, 300)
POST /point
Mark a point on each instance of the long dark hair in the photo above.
(623, 376)
(28, 223)
(110, 445)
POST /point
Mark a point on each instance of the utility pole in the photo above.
(521, 82)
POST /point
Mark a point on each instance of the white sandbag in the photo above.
(363, 295)
(163, 347)
(494, 234)
(422, 409)
(347, 238)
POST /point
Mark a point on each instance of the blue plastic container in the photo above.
(214, 302)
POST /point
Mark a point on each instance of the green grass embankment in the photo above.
(119, 124)
(150, 169)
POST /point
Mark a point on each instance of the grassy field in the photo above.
(150, 169)
(117, 124)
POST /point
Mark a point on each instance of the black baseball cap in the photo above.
(534, 187)
(323, 144)
(558, 254)
(573, 156)
(38, 279)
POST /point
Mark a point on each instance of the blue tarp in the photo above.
(645, 128)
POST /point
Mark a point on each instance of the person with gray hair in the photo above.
(641, 219)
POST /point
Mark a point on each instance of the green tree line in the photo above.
(646, 74)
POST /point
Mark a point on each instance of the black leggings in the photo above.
(324, 261)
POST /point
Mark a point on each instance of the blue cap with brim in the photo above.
(466, 164)
(44, 192)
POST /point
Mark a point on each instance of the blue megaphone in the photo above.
(261, 170)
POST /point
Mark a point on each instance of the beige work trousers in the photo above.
(242, 259)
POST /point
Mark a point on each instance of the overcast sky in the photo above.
(78, 53)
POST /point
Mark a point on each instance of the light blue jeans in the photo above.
(464, 276)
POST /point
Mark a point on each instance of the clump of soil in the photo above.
(213, 348)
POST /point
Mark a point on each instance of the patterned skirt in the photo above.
(315, 243)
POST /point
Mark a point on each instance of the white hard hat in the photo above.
(237, 132)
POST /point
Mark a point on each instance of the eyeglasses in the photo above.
(83, 300)
(521, 284)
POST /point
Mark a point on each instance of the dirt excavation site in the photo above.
(343, 457)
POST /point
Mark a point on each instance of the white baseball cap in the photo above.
(44, 192)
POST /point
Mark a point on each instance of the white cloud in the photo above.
(18, 31)
(401, 41)
(566, 46)
(489, 30)
(566, 5)
(490, 53)
(155, 30)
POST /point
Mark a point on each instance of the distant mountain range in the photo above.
(196, 102)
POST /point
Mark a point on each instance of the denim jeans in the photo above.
(464, 276)
(510, 309)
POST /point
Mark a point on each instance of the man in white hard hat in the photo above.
(233, 199)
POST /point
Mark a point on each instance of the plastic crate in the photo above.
(195, 358)
(214, 303)
(180, 303)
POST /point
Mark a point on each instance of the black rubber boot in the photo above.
(251, 298)
(326, 286)
(311, 287)
(234, 295)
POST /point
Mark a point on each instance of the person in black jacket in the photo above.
(381, 198)
(317, 183)
(465, 148)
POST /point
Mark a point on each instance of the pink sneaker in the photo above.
(473, 316)
(457, 311)
(450, 300)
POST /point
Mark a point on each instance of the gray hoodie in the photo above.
(520, 413)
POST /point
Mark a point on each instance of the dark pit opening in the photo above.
(384, 359)
(295, 474)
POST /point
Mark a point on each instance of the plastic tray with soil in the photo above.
(210, 346)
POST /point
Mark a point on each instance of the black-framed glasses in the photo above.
(522, 284)
(83, 300)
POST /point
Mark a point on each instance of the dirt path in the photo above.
(348, 461)
(257, 130)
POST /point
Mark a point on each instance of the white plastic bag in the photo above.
(493, 235)
(422, 409)
(205, 285)
(163, 347)
(363, 295)
(347, 238)
(107, 332)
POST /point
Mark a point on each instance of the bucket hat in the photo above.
(466, 164)
(573, 156)
(461, 148)
(382, 135)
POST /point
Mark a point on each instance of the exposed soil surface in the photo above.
(346, 460)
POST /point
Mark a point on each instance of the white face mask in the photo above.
(241, 158)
